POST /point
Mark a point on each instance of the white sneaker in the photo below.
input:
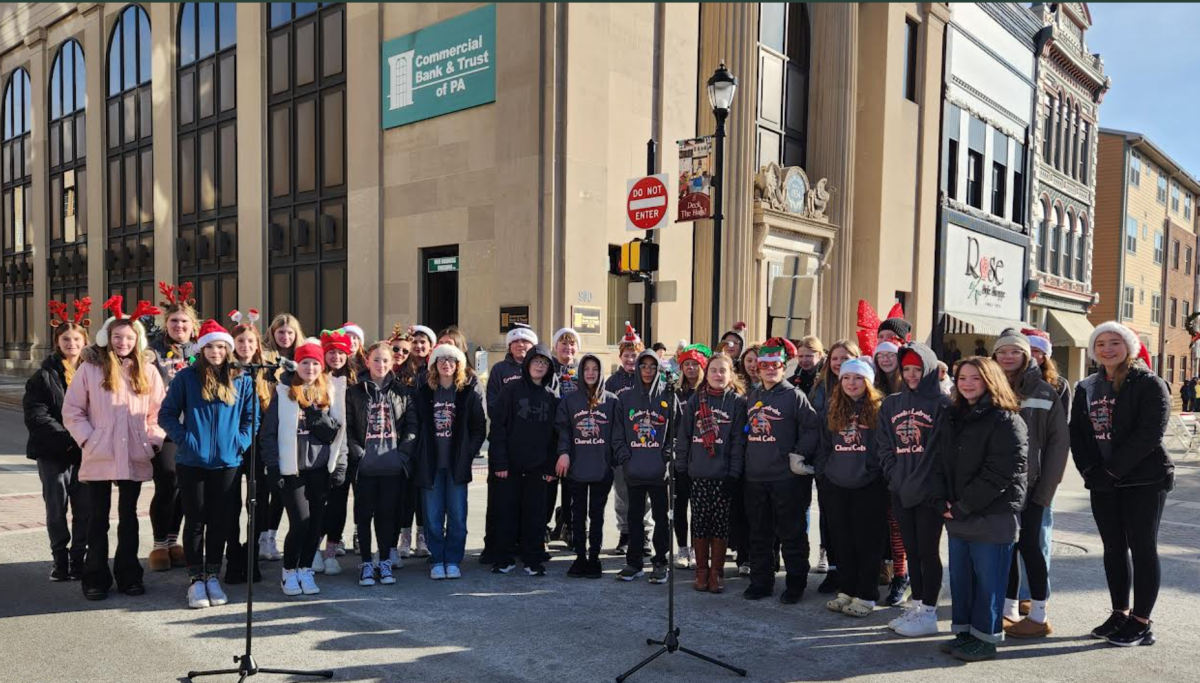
(909, 612)
(366, 573)
(340, 548)
(422, 550)
(332, 566)
(437, 572)
(197, 595)
(273, 551)
(290, 582)
(744, 570)
(216, 596)
(683, 558)
(308, 583)
(822, 563)
(923, 624)
(394, 558)
(264, 552)
(453, 572)
(318, 563)
(385, 573)
(405, 543)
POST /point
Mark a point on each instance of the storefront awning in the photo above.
(986, 326)
(1068, 329)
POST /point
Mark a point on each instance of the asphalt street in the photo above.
(512, 628)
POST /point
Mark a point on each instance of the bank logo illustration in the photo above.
(401, 93)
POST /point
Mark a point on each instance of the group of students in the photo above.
(897, 454)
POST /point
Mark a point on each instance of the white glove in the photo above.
(798, 466)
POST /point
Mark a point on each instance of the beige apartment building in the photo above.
(1145, 248)
(461, 163)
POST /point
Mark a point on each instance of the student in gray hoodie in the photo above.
(640, 443)
(381, 428)
(784, 434)
(624, 379)
(852, 484)
(585, 424)
(909, 422)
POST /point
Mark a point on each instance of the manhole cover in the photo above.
(1059, 548)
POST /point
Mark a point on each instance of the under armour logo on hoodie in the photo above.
(538, 411)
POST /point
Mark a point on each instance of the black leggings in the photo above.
(659, 505)
(304, 496)
(921, 527)
(375, 499)
(269, 507)
(589, 500)
(1029, 548)
(337, 507)
(857, 518)
(1127, 519)
(208, 497)
(166, 510)
(683, 493)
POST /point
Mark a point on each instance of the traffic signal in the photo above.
(633, 257)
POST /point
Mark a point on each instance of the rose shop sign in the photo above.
(983, 275)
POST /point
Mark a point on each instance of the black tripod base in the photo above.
(249, 668)
(670, 644)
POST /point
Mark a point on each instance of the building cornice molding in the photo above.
(1015, 18)
(1004, 126)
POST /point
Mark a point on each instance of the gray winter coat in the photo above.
(1049, 436)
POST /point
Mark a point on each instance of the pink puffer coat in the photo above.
(117, 430)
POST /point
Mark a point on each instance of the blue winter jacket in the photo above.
(212, 434)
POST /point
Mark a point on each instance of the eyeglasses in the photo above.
(447, 361)
(399, 350)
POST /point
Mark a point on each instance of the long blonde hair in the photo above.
(735, 380)
(849, 347)
(316, 394)
(262, 387)
(113, 366)
(278, 322)
(993, 378)
(69, 368)
(841, 408)
(216, 382)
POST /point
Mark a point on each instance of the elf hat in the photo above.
(564, 332)
(115, 304)
(212, 331)
(776, 350)
(858, 366)
(309, 349)
(697, 352)
(335, 340)
(355, 331)
(446, 351)
(1038, 339)
(520, 332)
(1131, 340)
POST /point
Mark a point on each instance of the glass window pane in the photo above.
(129, 29)
(206, 96)
(281, 13)
(114, 124)
(228, 290)
(306, 49)
(303, 8)
(147, 113)
(114, 62)
(279, 62)
(280, 152)
(68, 147)
(208, 186)
(129, 100)
(81, 213)
(306, 134)
(187, 175)
(187, 97)
(332, 115)
(333, 290)
(228, 82)
(228, 26)
(208, 29)
(306, 219)
(55, 131)
(338, 213)
(306, 306)
(331, 36)
(114, 193)
(81, 133)
(144, 47)
(131, 190)
(147, 186)
(771, 24)
(56, 89)
(229, 165)
(67, 79)
(187, 34)
(80, 79)
(56, 209)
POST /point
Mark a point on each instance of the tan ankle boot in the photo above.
(701, 547)
(716, 574)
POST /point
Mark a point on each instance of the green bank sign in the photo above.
(440, 69)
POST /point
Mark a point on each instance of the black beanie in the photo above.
(901, 327)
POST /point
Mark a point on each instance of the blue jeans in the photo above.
(1047, 528)
(978, 579)
(446, 519)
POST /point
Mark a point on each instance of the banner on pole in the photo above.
(695, 179)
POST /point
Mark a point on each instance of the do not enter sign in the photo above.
(646, 203)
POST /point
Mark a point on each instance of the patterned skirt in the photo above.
(710, 509)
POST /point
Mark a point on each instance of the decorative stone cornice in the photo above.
(35, 37)
(1005, 127)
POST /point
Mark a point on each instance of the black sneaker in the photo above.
(578, 568)
(791, 596)
(93, 593)
(630, 573)
(135, 588)
(504, 567)
(535, 569)
(830, 585)
(897, 592)
(622, 545)
(1132, 632)
(754, 592)
(1114, 622)
(60, 572)
(595, 570)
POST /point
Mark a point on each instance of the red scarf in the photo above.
(705, 422)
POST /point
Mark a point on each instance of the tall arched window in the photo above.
(1043, 228)
(1068, 259)
(1055, 240)
(795, 123)
(1080, 249)
(206, 242)
(306, 162)
(129, 258)
(15, 183)
(67, 255)
(1048, 133)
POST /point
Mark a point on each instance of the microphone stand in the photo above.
(670, 642)
(247, 666)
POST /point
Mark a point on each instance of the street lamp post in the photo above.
(721, 88)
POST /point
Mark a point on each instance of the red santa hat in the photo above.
(212, 331)
(309, 349)
(355, 331)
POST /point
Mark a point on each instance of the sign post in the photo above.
(646, 203)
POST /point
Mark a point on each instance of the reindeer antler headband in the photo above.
(59, 316)
(177, 295)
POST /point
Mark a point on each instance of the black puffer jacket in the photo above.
(42, 403)
(399, 439)
(1139, 422)
(981, 456)
(469, 431)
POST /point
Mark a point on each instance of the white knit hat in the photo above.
(859, 366)
(446, 351)
(421, 329)
(1131, 339)
(565, 331)
(520, 331)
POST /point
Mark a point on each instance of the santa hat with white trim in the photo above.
(212, 331)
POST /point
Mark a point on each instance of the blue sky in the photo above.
(1152, 54)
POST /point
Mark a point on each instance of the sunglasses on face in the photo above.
(399, 350)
